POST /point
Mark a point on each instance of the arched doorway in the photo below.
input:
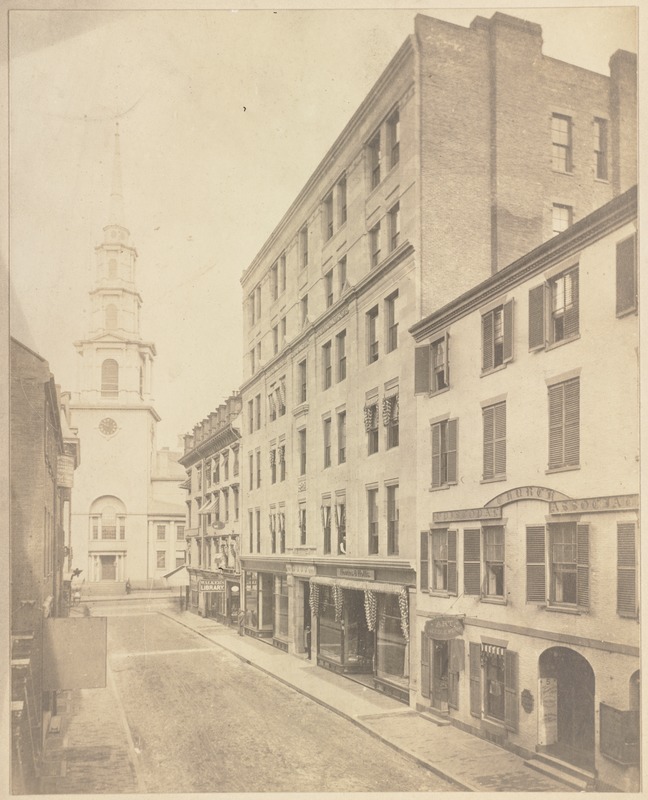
(566, 706)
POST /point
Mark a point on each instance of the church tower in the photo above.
(127, 521)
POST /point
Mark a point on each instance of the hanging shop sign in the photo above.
(350, 572)
(212, 584)
(526, 493)
(467, 514)
(443, 627)
(617, 502)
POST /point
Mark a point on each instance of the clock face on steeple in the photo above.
(108, 426)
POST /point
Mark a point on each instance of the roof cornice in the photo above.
(565, 245)
(222, 438)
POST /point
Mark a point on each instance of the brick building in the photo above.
(211, 460)
(471, 149)
(44, 453)
(526, 628)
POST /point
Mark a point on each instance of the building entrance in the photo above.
(108, 568)
(439, 687)
(567, 713)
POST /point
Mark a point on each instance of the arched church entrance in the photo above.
(566, 714)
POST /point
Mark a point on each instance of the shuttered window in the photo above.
(497, 336)
(444, 561)
(626, 570)
(554, 310)
(569, 564)
(494, 419)
(537, 317)
(494, 561)
(564, 424)
(472, 561)
(535, 564)
(431, 366)
(626, 275)
(424, 562)
(444, 453)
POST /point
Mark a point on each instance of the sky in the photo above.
(223, 116)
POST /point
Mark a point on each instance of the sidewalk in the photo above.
(471, 763)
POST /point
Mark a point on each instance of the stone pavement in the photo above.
(471, 763)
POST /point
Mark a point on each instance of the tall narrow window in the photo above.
(302, 523)
(393, 132)
(391, 420)
(301, 382)
(497, 336)
(391, 321)
(328, 288)
(326, 525)
(394, 227)
(564, 424)
(303, 246)
(282, 272)
(494, 419)
(440, 373)
(327, 366)
(341, 429)
(110, 378)
(251, 530)
(372, 335)
(257, 411)
(282, 331)
(444, 561)
(374, 244)
(327, 211)
(258, 469)
(444, 453)
(601, 148)
(340, 522)
(563, 563)
(303, 309)
(327, 442)
(340, 341)
(251, 470)
(372, 519)
(258, 530)
(273, 465)
(250, 416)
(561, 218)
(392, 520)
(371, 427)
(494, 561)
(258, 301)
(342, 200)
(275, 340)
(626, 275)
(342, 273)
(274, 280)
(375, 158)
(302, 451)
(561, 137)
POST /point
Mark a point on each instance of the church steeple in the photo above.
(114, 334)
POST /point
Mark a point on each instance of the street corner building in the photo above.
(528, 426)
(471, 150)
(128, 522)
(44, 453)
(211, 461)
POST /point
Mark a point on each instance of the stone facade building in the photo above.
(526, 627)
(211, 460)
(128, 522)
(472, 148)
(44, 453)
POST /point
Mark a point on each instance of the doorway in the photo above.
(440, 674)
(567, 712)
(108, 568)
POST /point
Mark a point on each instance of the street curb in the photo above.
(467, 787)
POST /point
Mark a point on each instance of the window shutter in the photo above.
(447, 359)
(508, 331)
(472, 561)
(487, 341)
(556, 426)
(572, 423)
(626, 275)
(475, 679)
(500, 439)
(436, 455)
(455, 666)
(537, 317)
(451, 454)
(535, 564)
(424, 562)
(511, 690)
(425, 665)
(452, 562)
(422, 363)
(626, 570)
(489, 441)
(571, 313)
(582, 564)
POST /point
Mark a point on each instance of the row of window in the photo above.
(562, 153)
(211, 510)
(553, 318)
(557, 564)
(215, 469)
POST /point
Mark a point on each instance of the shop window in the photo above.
(391, 647)
(281, 607)
(494, 684)
(627, 605)
(494, 423)
(444, 453)
(497, 336)
(444, 561)
(329, 627)
(251, 599)
(554, 311)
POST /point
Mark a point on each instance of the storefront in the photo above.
(363, 629)
(267, 606)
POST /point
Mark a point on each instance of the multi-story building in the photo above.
(211, 460)
(44, 454)
(526, 626)
(130, 507)
(472, 148)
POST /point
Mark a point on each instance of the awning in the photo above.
(178, 576)
(209, 506)
(360, 586)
